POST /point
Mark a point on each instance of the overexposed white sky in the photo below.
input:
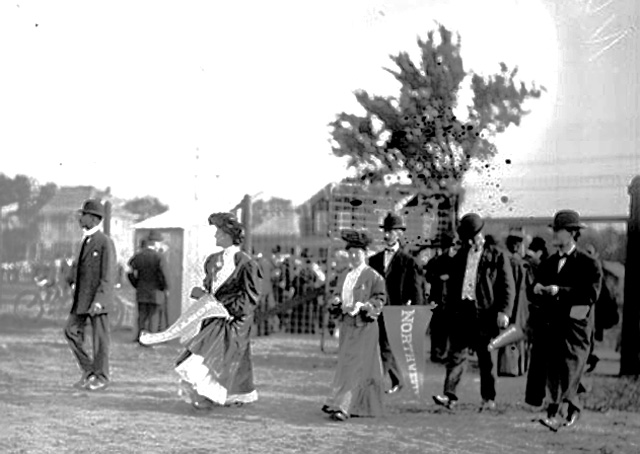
(160, 97)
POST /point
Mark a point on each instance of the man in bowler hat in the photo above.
(93, 277)
(566, 287)
(403, 283)
(480, 299)
(148, 276)
(437, 274)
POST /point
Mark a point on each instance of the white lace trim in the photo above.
(349, 284)
(228, 266)
(243, 398)
(193, 371)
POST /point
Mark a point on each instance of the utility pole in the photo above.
(630, 341)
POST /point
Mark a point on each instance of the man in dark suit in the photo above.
(404, 287)
(480, 299)
(437, 274)
(149, 277)
(566, 288)
(94, 278)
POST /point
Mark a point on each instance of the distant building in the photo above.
(59, 231)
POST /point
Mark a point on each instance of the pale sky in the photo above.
(160, 97)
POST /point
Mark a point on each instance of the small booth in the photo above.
(187, 241)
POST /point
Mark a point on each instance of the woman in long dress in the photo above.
(216, 367)
(357, 388)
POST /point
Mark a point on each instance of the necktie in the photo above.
(562, 260)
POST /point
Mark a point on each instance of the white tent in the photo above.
(190, 240)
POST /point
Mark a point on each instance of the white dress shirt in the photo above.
(471, 274)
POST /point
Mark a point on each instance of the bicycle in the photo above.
(32, 304)
(55, 302)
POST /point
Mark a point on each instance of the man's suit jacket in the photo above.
(94, 274)
(579, 282)
(148, 276)
(495, 287)
(402, 278)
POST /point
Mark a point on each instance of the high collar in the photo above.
(569, 252)
(393, 248)
(231, 251)
(88, 233)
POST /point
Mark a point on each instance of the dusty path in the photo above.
(140, 412)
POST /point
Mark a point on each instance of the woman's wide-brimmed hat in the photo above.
(567, 220)
(355, 239)
(228, 223)
(392, 222)
(92, 206)
(470, 225)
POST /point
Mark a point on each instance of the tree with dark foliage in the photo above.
(418, 131)
(145, 207)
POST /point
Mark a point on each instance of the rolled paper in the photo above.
(188, 324)
(512, 334)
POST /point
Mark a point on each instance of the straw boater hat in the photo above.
(94, 207)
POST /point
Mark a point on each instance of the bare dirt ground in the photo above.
(141, 413)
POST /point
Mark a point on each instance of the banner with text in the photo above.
(407, 332)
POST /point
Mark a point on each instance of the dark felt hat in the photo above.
(470, 225)
(516, 234)
(444, 240)
(567, 220)
(393, 221)
(154, 235)
(355, 239)
(538, 244)
(92, 206)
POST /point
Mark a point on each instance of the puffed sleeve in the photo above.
(208, 272)
(378, 294)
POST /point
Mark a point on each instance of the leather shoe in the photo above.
(394, 389)
(82, 383)
(572, 419)
(339, 416)
(202, 404)
(487, 405)
(444, 401)
(97, 384)
(550, 422)
(327, 409)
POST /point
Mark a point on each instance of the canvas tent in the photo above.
(189, 239)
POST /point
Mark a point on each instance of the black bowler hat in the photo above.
(392, 221)
(355, 239)
(154, 235)
(567, 220)
(92, 206)
(470, 225)
(444, 240)
(516, 234)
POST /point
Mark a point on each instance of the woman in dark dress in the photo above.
(216, 367)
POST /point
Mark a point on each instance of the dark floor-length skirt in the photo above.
(216, 364)
(357, 388)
